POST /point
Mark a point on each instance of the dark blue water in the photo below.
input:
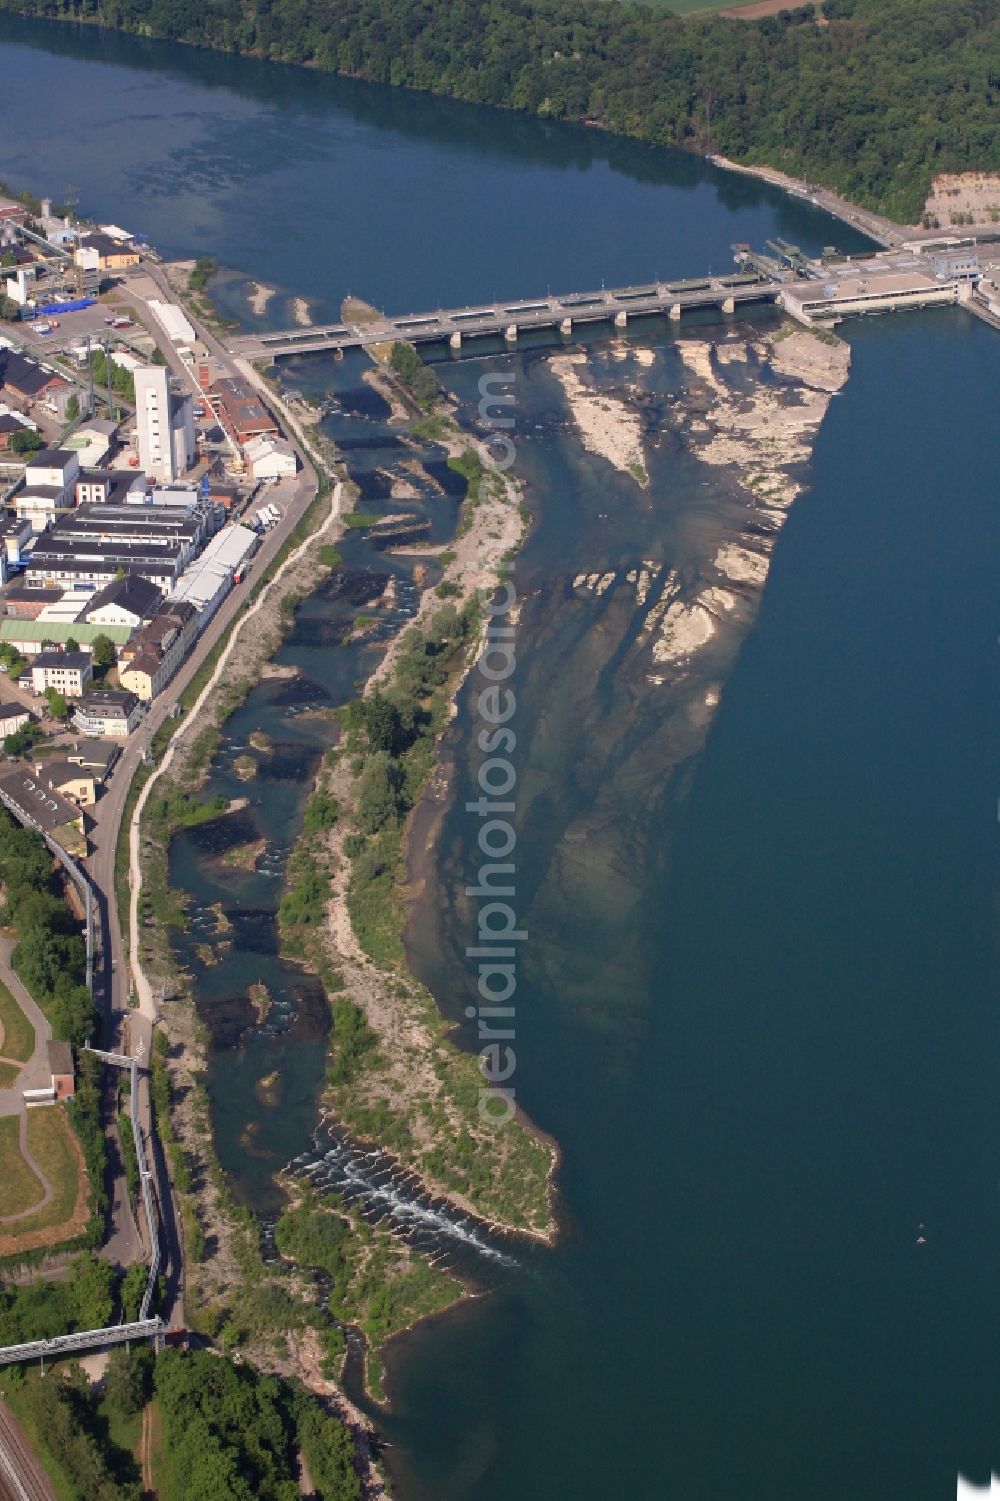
(765, 1035)
(326, 186)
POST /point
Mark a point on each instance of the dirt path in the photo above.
(144, 1448)
(22, 1141)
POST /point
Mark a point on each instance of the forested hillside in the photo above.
(871, 97)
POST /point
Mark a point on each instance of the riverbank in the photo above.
(700, 62)
(421, 1084)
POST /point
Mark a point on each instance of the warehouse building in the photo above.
(32, 637)
(207, 582)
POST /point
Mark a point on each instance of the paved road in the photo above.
(21, 1476)
(128, 1030)
(111, 985)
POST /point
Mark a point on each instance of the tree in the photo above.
(126, 1380)
(102, 651)
(9, 309)
(73, 408)
(329, 1452)
(58, 707)
(89, 1289)
(132, 1288)
(26, 440)
(382, 723)
(72, 644)
(378, 797)
(200, 273)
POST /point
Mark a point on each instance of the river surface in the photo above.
(757, 1007)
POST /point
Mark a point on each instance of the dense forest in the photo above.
(872, 97)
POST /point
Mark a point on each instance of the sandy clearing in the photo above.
(975, 193)
(607, 426)
(258, 296)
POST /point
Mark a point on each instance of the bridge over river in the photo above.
(452, 325)
(820, 290)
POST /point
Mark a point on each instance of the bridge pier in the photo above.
(729, 305)
(456, 339)
(566, 326)
(675, 312)
(621, 319)
(510, 333)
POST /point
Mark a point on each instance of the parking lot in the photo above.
(73, 328)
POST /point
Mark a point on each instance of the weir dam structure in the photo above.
(814, 291)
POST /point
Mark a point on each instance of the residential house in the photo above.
(154, 653)
(96, 756)
(68, 672)
(77, 783)
(108, 712)
(49, 811)
(13, 717)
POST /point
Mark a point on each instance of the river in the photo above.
(757, 1007)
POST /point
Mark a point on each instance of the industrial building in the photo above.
(270, 458)
(97, 542)
(173, 321)
(165, 431)
(241, 411)
(13, 717)
(109, 487)
(49, 487)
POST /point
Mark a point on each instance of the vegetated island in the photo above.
(873, 98)
(394, 1077)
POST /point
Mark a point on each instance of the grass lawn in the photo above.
(124, 1433)
(54, 1148)
(18, 1033)
(21, 1188)
(8, 1073)
(58, 1154)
